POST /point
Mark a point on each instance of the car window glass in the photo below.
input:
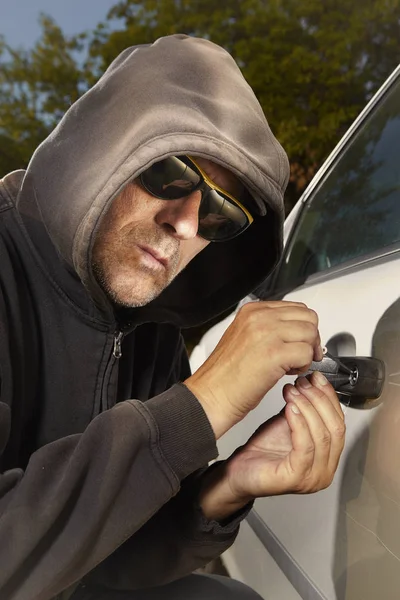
(356, 208)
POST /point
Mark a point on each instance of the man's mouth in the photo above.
(158, 257)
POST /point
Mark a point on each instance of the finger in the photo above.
(302, 456)
(297, 313)
(318, 350)
(333, 422)
(320, 382)
(309, 317)
(297, 356)
(280, 303)
(319, 432)
(276, 305)
(292, 311)
(298, 331)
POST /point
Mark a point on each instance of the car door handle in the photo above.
(358, 377)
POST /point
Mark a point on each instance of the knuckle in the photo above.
(246, 308)
(310, 479)
(329, 478)
(314, 317)
(280, 350)
(320, 483)
(243, 312)
(339, 430)
(309, 450)
(317, 394)
(302, 305)
(310, 486)
(247, 317)
(308, 327)
(254, 324)
(324, 483)
(309, 354)
(324, 439)
(300, 487)
(312, 330)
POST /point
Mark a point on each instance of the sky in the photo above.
(19, 18)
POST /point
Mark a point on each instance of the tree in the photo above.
(312, 64)
(36, 87)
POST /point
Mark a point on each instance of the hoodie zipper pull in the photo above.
(117, 351)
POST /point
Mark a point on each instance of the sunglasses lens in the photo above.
(170, 179)
(219, 218)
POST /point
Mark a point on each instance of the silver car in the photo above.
(341, 258)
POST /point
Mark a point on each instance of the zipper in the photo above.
(115, 354)
(117, 349)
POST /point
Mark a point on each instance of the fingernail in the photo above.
(321, 379)
(303, 382)
(294, 390)
(295, 409)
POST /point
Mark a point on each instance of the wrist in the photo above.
(219, 419)
(216, 498)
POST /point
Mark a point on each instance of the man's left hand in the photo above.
(297, 451)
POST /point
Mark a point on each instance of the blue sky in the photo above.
(19, 18)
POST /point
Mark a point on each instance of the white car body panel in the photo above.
(342, 543)
(262, 570)
(313, 519)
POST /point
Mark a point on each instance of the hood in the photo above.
(179, 95)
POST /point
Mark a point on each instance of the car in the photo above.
(341, 258)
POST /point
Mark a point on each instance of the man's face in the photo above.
(144, 242)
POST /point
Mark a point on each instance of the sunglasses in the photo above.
(221, 216)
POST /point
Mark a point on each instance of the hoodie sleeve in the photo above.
(174, 543)
(178, 539)
(83, 496)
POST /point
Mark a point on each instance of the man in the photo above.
(154, 205)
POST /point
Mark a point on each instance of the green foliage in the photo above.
(36, 87)
(312, 64)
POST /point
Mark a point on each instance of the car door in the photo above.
(342, 258)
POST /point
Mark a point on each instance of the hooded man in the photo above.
(155, 204)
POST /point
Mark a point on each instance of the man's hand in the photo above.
(297, 451)
(265, 341)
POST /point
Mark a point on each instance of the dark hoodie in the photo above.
(95, 484)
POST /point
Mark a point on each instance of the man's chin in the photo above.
(129, 300)
(126, 291)
(129, 296)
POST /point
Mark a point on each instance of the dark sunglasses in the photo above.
(221, 216)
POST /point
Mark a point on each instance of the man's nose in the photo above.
(181, 217)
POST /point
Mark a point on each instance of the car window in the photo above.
(356, 208)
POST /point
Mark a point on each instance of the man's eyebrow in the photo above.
(234, 185)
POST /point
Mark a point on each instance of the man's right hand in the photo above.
(266, 341)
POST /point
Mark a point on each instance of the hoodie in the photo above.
(101, 444)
